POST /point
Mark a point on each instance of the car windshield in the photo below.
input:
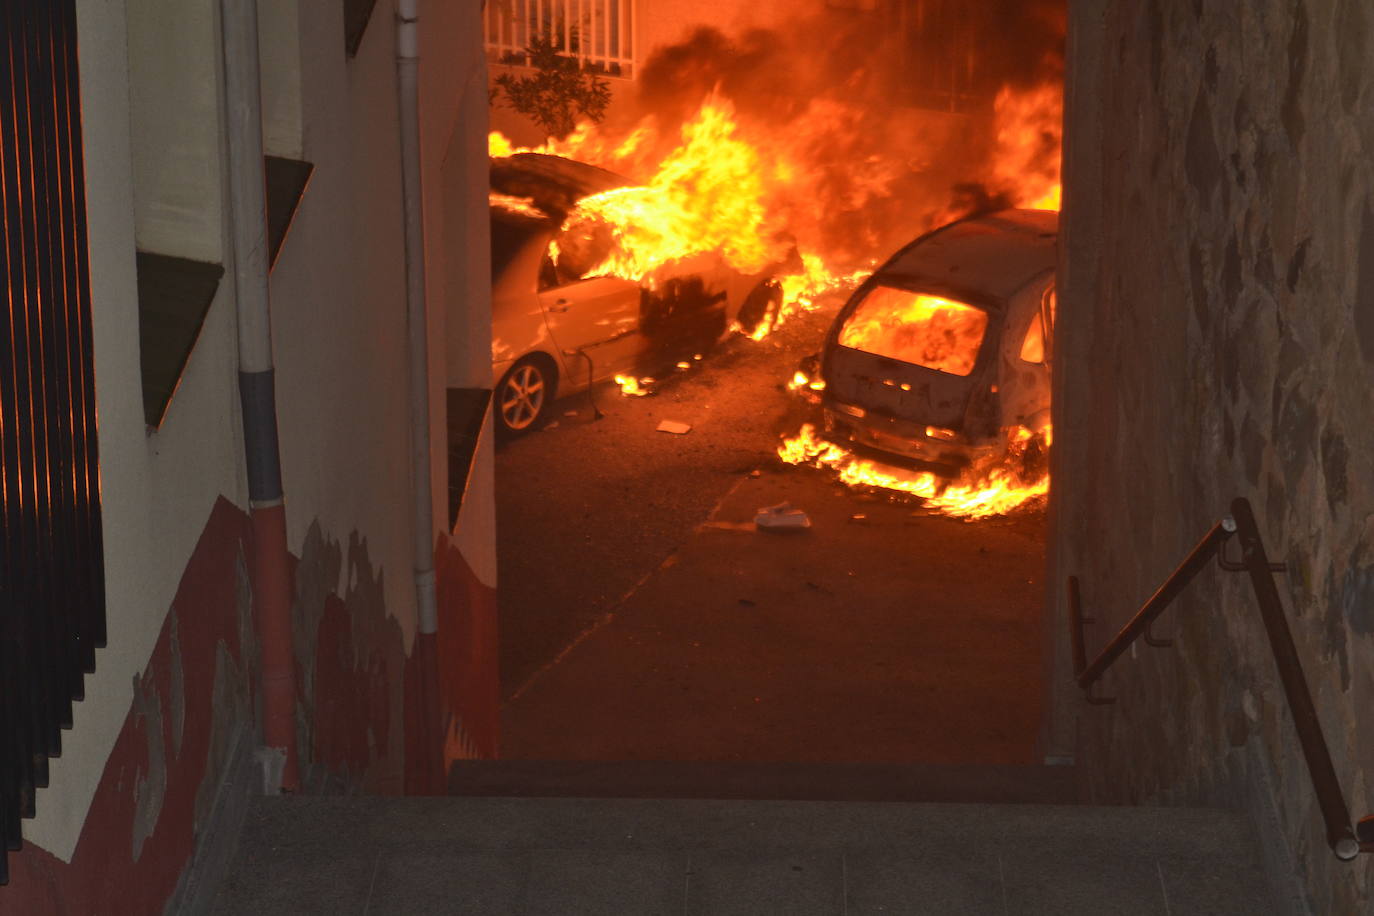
(917, 328)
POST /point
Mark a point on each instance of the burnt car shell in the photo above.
(1000, 263)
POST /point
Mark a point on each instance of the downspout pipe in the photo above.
(257, 389)
(417, 325)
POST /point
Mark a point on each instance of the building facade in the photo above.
(168, 733)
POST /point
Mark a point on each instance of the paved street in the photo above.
(643, 617)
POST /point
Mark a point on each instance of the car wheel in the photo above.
(523, 395)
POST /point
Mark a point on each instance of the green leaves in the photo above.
(558, 91)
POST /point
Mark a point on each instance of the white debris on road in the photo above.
(782, 517)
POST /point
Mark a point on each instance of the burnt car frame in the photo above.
(989, 277)
(557, 331)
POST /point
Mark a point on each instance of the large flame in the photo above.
(706, 196)
(1026, 156)
(716, 191)
(994, 487)
(769, 199)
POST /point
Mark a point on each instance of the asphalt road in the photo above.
(643, 618)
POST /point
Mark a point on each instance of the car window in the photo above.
(507, 238)
(581, 250)
(1033, 346)
(1048, 303)
(927, 330)
(548, 274)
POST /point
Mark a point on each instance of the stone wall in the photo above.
(1216, 339)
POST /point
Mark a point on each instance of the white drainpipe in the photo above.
(257, 390)
(408, 87)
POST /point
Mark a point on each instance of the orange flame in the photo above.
(715, 193)
(631, 386)
(707, 196)
(747, 192)
(1026, 158)
(523, 206)
(995, 488)
(917, 328)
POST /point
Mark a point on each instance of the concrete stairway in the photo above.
(568, 856)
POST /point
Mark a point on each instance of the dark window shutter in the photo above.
(52, 589)
(356, 16)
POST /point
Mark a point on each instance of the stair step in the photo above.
(857, 782)
(379, 855)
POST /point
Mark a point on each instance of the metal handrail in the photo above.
(1345, 841)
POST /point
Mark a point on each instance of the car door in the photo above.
(1026, 353)
(594, 322)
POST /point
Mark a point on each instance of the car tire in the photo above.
(524, 394)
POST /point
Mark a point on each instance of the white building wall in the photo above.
(279, 53)
(172, 104)
(459, 256)
(338, 306)
(156, 489)
(338, 312)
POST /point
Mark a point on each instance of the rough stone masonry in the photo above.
(1216, 339)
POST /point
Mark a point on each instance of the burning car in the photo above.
(946, 347)
(563, 320)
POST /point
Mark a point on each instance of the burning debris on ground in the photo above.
(997, 487)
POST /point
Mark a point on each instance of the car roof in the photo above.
(993, 253)
(552, 183)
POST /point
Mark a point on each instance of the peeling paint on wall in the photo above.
(196, 699)
(150, 784)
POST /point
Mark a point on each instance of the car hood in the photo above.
(553, 183)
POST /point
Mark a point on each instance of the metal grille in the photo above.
(939, 48)
(52, 590)
(599, 33)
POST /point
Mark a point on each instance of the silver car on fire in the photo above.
(948, 345)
